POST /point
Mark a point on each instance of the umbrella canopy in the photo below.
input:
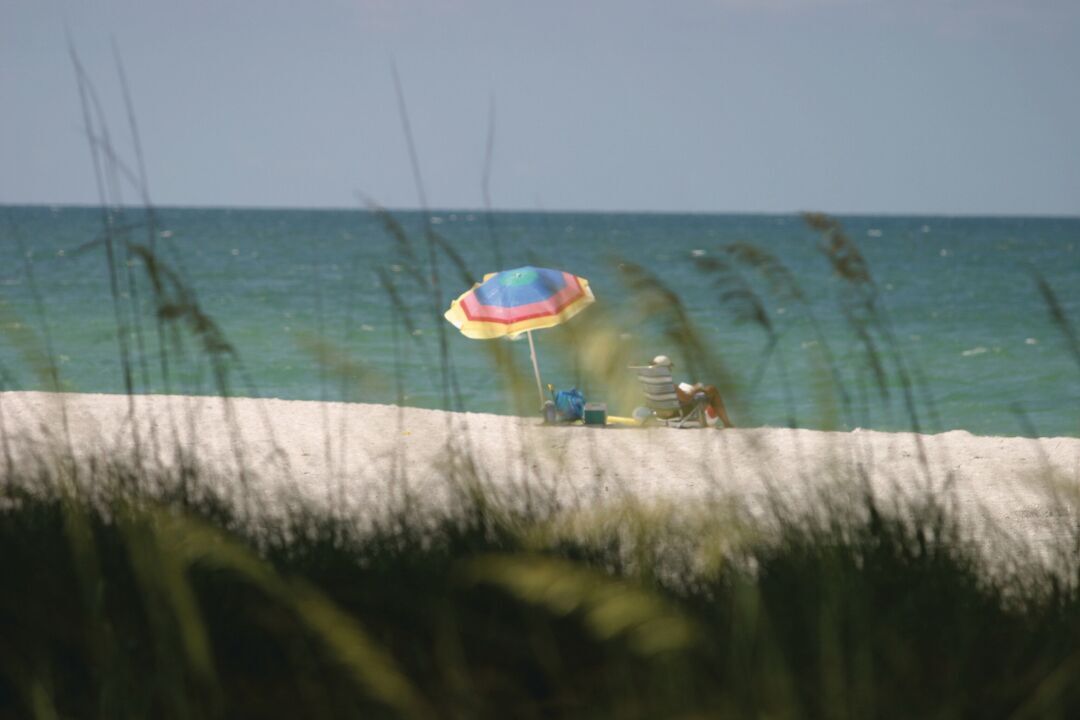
(519, 300)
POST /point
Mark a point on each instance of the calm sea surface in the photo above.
(303, 297)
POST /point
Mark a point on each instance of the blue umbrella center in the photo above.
(520, 286)
(513, 278)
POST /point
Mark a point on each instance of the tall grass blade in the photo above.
(1058, 317)
(340, 633)
(611, 608)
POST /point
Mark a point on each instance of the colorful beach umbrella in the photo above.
(517, 301)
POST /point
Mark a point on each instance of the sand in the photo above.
(361, 458)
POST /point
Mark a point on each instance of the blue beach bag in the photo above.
(569, 405)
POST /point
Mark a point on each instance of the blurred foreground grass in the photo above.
(138, 606)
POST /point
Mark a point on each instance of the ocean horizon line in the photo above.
(557, 211)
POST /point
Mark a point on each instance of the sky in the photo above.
(845, 106)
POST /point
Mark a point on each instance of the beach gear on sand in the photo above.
(658, 386)
(595, 413)
(569, 405)
(521, 300)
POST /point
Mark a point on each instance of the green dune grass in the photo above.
(131, 606)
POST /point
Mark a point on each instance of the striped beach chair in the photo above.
(658, 386)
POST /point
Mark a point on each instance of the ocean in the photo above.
(951, 332)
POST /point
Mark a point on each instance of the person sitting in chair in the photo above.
(687, 392)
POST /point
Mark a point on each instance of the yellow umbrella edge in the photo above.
(481, 330)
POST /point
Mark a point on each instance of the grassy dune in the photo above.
(138, 607)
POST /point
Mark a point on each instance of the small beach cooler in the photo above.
(595, 413)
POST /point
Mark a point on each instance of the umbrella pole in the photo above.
(536, 367)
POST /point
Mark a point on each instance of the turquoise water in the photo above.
(290, 286)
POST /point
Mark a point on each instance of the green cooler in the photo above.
(595, 413)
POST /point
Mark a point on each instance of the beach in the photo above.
(365, 459)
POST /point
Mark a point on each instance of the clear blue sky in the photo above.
(958, 106)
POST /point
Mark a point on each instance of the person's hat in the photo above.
(662, 360)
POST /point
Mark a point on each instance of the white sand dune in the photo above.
(353, 457)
